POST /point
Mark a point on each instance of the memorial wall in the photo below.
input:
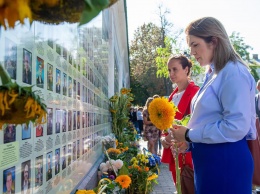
(68, 66)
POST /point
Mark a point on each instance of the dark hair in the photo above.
(208, 28)
(184, 61)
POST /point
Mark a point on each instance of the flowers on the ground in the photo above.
(113, 153)
(106, 166)
(162, 113)
(124, 181)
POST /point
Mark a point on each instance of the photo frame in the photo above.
(27, 67)
(10, 58)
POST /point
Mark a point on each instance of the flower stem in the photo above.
(178, 177)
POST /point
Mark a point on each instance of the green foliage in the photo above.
(253, 68)
(239, 45)
(119, 108)
(144, 82)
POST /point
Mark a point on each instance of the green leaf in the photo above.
(92, 9)
(123, 170)
(185, 120)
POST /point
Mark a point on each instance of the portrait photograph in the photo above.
(58, 81)
(74, 120)
(70, 86)
(83, 119)
(78, 93)
(86, 119)
(27, 66)
(39, 130)
(58, 49)
(10, 58)
(57, 161)
(83, 146)
(58, 120)
(69, 154)
(78, 149)
(26, 131)
(50, 77)
(70, 59)
(74, 151)
(50, 43)
(9, 181)
(26, 177)
(74, 88)
(63, 158)
(49, 121)
(78, 119)
(48, 166)
(64, 84)
(39, 72)
(10, 133)
(65, 53)
(69, 120)
(38, 171)
(64, 120)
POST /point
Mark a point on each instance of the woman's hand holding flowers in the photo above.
(178, 133)
(166, 141)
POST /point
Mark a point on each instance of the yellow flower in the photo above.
(154, 176)
(162, 113)
(113, 150)
(85, 192)
(124, 181)
(124, 91)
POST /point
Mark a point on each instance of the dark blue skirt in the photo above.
(225, 168)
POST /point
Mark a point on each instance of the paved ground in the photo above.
(165, 183)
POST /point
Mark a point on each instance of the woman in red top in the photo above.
(179, 70)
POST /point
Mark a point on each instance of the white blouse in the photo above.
(177, 97)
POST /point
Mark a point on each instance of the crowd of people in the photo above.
(223, 114)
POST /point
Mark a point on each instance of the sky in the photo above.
(241, 16)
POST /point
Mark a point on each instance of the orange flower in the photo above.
(124, 181)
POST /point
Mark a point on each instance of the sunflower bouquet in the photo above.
(19, 104)
(162, 114)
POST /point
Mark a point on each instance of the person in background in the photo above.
(179, 68)
(257, 99)
(151, 133)
(140, 119)
(223, 114)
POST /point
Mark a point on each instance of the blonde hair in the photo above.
(148, 101)
(208, 28)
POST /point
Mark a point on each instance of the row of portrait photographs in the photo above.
(73, 118)
(11, 68)
(62, 116)
(68, 153)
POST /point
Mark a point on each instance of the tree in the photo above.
(239, 45)
(144, 82)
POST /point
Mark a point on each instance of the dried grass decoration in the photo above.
(71, 11)
(19, 104)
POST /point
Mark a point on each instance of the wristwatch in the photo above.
(187, 138)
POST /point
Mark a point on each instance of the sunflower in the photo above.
(162, 113)
(124, 181)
